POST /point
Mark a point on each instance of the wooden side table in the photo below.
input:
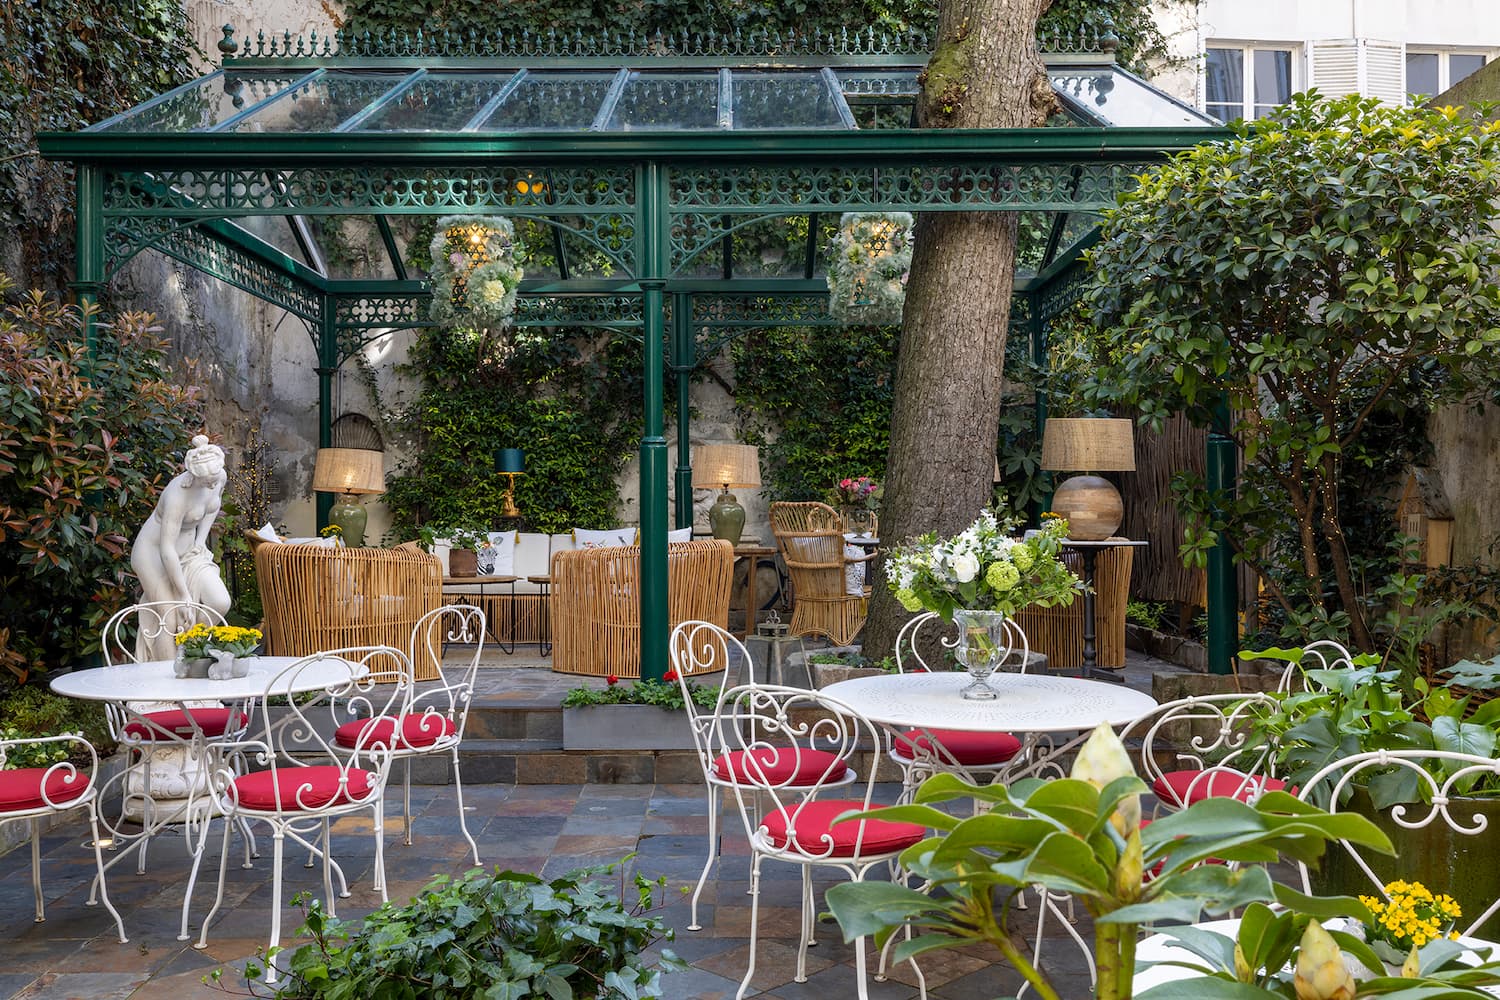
(752, 606)
(450, 582)
(544, 627)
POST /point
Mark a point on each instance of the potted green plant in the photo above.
(1082, 836)
(486, 934)
(463, 554)
(1364, 708)
(646, 715)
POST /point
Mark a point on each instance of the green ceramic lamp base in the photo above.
(726, 518)
(349, 514)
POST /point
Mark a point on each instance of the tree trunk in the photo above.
(985, 72)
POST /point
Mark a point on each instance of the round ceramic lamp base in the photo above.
(726, 518)
(1092, 506)
(351, 517)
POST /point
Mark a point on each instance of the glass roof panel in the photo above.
(439, 102)
(275, 230)
(352, 247)
(319, 105)
(667, 102)
(551, 102)
(204, 103)
(784, 100)
(1115, 97)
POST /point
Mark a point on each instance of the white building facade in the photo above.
(1241, 58)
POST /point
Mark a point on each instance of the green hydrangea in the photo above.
(1002, 576)
(909, 599)
(1022, 556)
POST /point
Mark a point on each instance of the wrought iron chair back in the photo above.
(1439, 799)
(1203, 746)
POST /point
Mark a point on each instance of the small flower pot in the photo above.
(463, 562)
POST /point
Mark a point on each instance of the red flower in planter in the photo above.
(669, 676)
(611, 680)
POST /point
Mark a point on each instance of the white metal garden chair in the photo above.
(973, 756)
(697, 649)
(303, 783)
(784, 735)
(1202, 747)
(34, 793)
(431, 720)
(1438, 800)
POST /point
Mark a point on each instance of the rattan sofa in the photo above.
(317, 598)
(596, 615)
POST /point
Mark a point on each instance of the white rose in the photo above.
(965, 567)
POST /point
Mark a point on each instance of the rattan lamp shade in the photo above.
(1088, 444)
(725, 465)
(349, 472)
(1091, 504)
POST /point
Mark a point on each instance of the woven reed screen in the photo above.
(1151, 513)
(317, 599)
(596, 614)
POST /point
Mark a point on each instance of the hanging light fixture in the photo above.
(474, 271)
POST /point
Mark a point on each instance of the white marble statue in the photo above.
(171, 556)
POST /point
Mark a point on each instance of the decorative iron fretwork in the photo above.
(623, 311)
(708, 203)
(382, 312)
(198, 248)
(1060, 294)
(581, 190)
(577, 45)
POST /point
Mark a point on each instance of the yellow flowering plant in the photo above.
(1410, 916)
(198, 640)
(983, 568)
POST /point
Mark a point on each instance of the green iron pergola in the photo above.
(643, 168)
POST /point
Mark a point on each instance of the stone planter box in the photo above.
(626, 727)
(1173, 648)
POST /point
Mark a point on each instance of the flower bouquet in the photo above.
(860, 492)
(217, 652)
(1410, 916)
(978, 579)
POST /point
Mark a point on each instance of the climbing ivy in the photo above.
(573, 404)
(65, 64)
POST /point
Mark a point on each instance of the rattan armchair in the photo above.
(596, 614)
(317, 599)
(810, 537)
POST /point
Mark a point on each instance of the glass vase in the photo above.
(981, 647)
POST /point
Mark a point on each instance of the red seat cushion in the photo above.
(301, 787)
(780, 766)
(1183, 788)
(213, 722)
(417, 730)
(814, 820)
(21, 788)
(958, 746)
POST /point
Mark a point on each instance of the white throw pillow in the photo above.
(854, 573)
(331, 542)
(680, 534)
(588, 538)
(267, 532)
(500, 558)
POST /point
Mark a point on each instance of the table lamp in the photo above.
(724, 466)
(349, 472)
(1091, 503)
(510, 463)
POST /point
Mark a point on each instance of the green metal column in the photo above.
(89, 250)
(1223, 589)
(684, 360)
(653, 263)
(328, 366)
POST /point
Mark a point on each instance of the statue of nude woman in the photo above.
(171, 555)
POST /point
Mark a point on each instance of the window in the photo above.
(1431, 73)
(1247, 81)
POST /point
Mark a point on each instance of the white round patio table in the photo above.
(154, 681)
(1026, 703)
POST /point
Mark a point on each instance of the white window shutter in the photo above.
(1334, 67)
(1385, 71)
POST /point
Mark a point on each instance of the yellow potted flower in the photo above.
(217, 652)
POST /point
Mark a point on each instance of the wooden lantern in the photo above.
(1425, 514)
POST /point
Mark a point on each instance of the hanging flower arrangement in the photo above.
(474, 271)
(867, 275)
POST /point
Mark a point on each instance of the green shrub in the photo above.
(31, 710)
(487, 935)
(86, 444)
(663, 694)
